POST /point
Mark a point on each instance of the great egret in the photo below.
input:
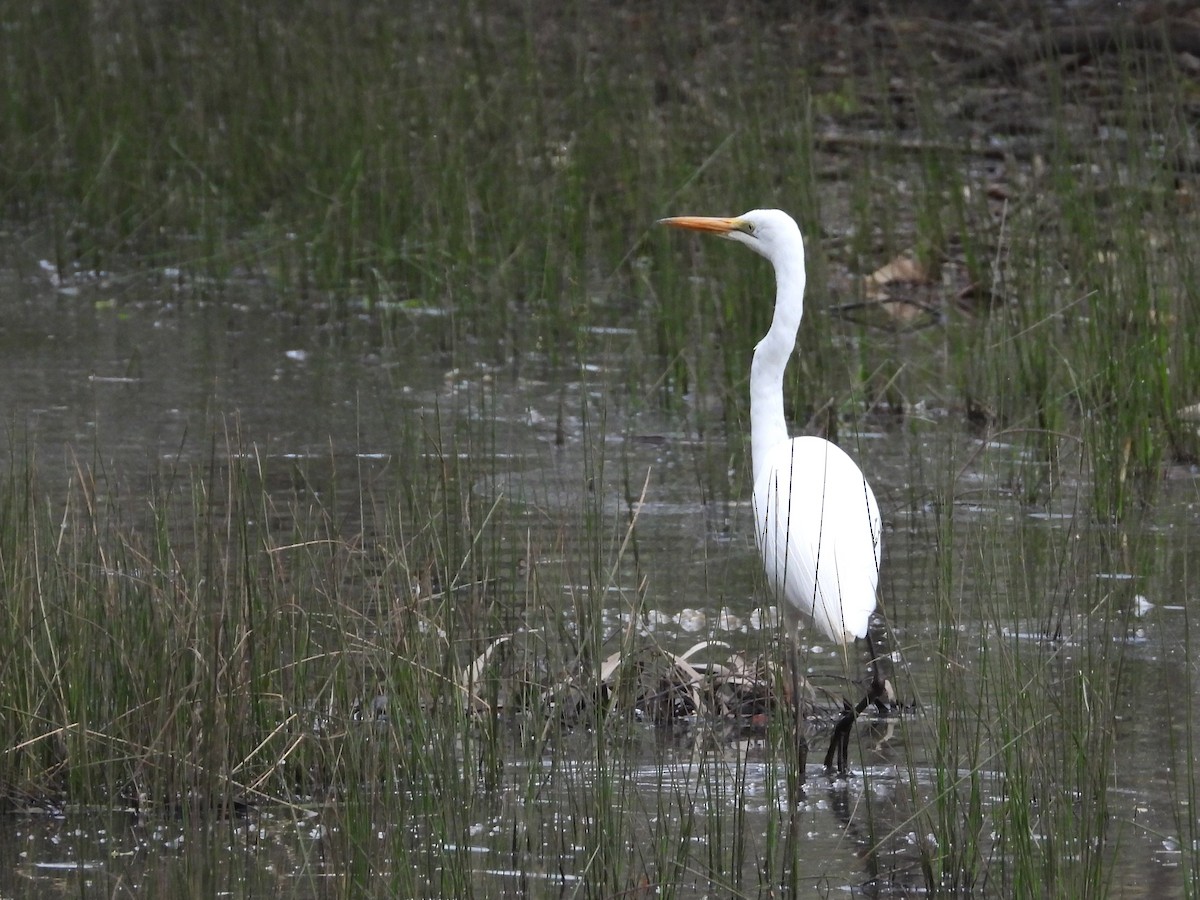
(816, 520)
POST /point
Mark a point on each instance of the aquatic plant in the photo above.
(215, 642)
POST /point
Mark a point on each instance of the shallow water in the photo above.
(133, 377)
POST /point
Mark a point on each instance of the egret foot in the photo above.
(839, 743)
(880, 694)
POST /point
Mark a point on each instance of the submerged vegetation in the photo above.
(1001, 275)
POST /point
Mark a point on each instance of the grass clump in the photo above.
(243, 650)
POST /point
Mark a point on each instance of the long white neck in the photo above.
(767, 424)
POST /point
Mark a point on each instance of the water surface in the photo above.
(136, 377)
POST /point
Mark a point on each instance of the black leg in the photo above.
(839, 744)
(838, 754)
(880, 692)
(798, 716)
(837, 758)
(801, 752)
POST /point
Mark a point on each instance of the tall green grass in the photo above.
(504, 164)
(1038, 694)
(348, 647)
(222, 643)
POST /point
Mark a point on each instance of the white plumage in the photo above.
(816, 520)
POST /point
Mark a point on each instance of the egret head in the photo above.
(769, 232)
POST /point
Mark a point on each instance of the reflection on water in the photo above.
(153, 380)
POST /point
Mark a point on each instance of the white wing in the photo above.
(818, 529)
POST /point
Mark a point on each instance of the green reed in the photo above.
(1026, 736)
(450, 156)
(506, 166)
(201, 653)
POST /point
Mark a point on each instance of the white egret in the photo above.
(816, 520)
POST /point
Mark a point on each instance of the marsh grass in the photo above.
(244, 646)
(1027, 740)
(503, 164)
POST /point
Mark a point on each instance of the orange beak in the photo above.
(712, 224)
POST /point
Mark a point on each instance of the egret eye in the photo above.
(748, 227)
